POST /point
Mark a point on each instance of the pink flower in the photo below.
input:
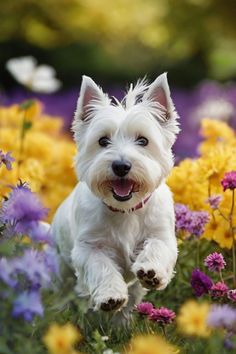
(219, 289)
(145, 308)
(6, 159)
(229, 180)
(215, 262)
(232, 295)
(162, 315)
(214, 201)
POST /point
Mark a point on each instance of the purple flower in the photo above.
(214, 201)
(7, 273)
(6, 159)
(32, 265)
(229, 181)
(51, 260)
(222, 316)
(189, 221)
(198, 221)
(181, 216)
(40, 232)
(22, 208)
(200, 282)
(231, 294)
(215, 262)
(145, 308)
(162, 315)
(219, 289)
(28, 304)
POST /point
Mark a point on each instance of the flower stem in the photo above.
(22, 135)
(233, 238)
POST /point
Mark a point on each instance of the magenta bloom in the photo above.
(219, 289)
(162, 315)
(145, 308)
(231, 294)
(214, 201)
(229, 181)
(200, 282)
(215, 262)
(6, 159)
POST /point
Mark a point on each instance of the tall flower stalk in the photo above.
(233, 237)
(229, 182)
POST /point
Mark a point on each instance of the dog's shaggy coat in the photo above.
(116, 230)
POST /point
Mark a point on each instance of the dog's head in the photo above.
(124, 148)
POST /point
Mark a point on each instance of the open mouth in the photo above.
(122, 189)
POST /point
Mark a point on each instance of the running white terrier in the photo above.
(116, 230)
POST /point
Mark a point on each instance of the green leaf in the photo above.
(7, 248)
(27, 125)
(27, 104)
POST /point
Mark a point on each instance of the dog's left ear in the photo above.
(159, 92)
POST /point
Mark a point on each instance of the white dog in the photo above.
(116, 230)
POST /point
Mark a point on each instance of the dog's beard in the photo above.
(123, 193)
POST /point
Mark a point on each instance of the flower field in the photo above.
(197, 311)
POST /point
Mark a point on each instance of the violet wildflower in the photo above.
(28, 304)
(40, 232)
(228, 343)
(231, 294)
(219, 289)
(189, 221)
(197, 222)
(6, 159)
(200, 282)
(162, 315)
(222, 316)
(33, 267)
(7, 274)
(145, 308)
(229, 181)
(22, 208)
(214, 201)
(215, 262)
(181, 215)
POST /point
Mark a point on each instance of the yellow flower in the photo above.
(45, 157)
(215, 132)
(60, 339)
(150, 344)
(192, 319)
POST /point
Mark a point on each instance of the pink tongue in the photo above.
(122, 187)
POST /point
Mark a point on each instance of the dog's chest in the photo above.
(126, 236)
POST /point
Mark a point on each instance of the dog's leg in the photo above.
(154, 265)
(136, 293)
(102, 277)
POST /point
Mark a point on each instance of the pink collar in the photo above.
(138, 206)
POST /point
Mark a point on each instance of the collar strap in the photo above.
(138, 206)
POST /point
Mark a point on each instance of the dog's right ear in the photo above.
(91, 96)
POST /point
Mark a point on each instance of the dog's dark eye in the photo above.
(142, 141)
(104, 141)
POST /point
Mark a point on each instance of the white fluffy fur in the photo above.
(106, 249)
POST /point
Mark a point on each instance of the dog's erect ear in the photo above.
(90, 95)
(159, 92)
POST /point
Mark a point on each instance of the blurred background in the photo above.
(116, 42)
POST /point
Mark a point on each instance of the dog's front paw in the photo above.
(112, 304)
(148, 279)
(152, 279)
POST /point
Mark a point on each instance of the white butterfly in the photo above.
(39, 78)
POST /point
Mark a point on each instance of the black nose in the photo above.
(121, 167)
